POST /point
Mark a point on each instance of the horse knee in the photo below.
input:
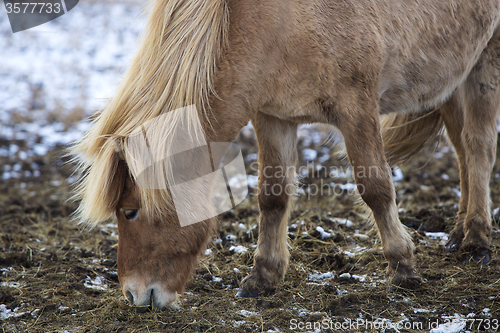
(272, 199)
(377, 193)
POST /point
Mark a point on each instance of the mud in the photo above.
(57, 277)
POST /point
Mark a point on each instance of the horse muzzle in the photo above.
(148, 297)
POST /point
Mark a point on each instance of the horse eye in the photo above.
(130, 214)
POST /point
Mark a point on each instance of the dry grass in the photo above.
(51, 260)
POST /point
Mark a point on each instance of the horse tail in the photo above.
(407, 135)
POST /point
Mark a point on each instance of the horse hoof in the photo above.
(452, 245)
(480, 256)
(412, 282)
(455, 239)
(254, 286)
(243, 293)
(406, 280)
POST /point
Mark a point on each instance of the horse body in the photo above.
(421, 71)
(415, 54)
(281, 63)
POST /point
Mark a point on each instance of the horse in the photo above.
(390, 75)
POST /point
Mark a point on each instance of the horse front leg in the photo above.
(361, 131)
(277, 159)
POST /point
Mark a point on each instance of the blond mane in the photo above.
(173, 68)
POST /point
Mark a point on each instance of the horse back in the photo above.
(288, 56)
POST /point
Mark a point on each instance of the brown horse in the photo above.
(422, 64)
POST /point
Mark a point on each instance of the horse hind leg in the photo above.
(365, 150)
(452, 113)
(479, 136)
(277, 159)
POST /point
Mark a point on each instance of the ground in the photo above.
(55, 276)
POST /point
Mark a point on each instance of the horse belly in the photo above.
(429, 54)
(406, 95)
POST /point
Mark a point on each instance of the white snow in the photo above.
(451, 324)
(74, 64)
(238, 323)
(360, 278)
(246, 313)
(11, 284)
(323, 233)
(7, 313)
(398, 174)
(238, 249)
(457, 192)
(251, 157)
(237, 181)
(323, 158)
(341, 221)
(437, 235)
(321, 276)
(354, 251)
(309, 154)
(252, 181)
(63, 70)
(99, 283)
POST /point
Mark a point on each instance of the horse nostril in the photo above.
(130, 297)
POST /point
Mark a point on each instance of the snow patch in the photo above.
(323, 233)
(321, 276)
(309, 154)
(238, 249)
(99, 283)
(397, 174)
(247, 314)
(341, 221)
(452, 324)
(8, 313)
